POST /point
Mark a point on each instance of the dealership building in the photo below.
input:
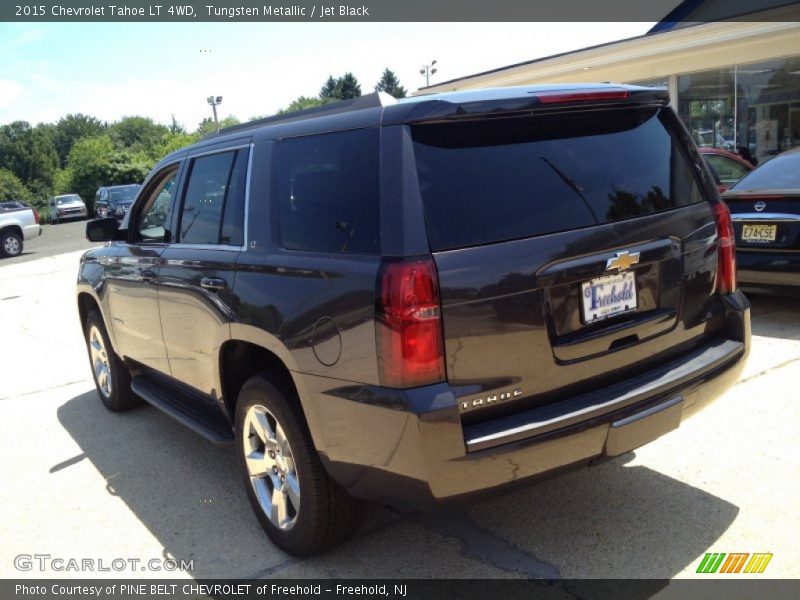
(735, 84)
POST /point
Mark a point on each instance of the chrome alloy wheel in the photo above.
(100, 364)
(271, 468)
(12, 246)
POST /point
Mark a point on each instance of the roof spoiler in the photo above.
(531, 101)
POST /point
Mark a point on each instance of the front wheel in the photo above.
(111, 376)
(302, 510)
(10, 244)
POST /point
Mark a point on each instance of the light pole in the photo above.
(214, 101)
(428, 70)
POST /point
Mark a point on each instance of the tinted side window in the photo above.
(156, 210)
(327, 192)
(233, 216)
(213, 202)
(204, 198)
(490, 181)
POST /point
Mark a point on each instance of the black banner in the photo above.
(391, 10)
(462, 589)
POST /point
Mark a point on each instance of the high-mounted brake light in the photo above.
(564, 96)
(409, 329)
(726, 249)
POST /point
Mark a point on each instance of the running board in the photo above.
(189, 411)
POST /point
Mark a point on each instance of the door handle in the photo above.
(213, 283)
(147, 275)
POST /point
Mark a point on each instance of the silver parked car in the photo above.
(68, 206)
(18, 223)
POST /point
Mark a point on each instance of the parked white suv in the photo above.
(68, 206)
(18, 222)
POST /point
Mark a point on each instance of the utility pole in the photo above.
(428, 70)
(214, 101)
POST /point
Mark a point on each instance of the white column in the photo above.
(673, 91)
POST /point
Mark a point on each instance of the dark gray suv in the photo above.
(115, 201)
(417, 301)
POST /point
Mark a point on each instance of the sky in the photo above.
(109, 70)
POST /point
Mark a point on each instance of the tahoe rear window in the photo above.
(503, 179)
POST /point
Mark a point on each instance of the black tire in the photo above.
(119, 397)
(326, 515)
(10, 244)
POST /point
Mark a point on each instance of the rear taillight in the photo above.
(726, 249)
(409, 329)
(35, 215)
(564, 96)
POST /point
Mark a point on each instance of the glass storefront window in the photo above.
(752, 109)
(706, 104)
(769, 106)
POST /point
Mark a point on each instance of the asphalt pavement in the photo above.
(80, 482)
(55, 239)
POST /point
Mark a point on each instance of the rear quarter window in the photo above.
(328, 192)
(503, 179)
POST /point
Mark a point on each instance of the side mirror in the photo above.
(102, 230)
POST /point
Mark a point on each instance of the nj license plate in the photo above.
(608, 296)
(756, 232)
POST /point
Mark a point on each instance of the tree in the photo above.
(136, 133)
(390, 84)
(207, 125)
(347, 87)
(174, 141)
(301, 103)
(62, 182)
(88, 162)
(28, 153)
(176, 127)
(328, 89)
(94, 162)
(11, 188)
(70, 129)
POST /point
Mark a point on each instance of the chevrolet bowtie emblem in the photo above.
(622, 261)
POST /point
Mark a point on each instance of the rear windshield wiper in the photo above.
(572, 185)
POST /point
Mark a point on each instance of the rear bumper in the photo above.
(31, 231)
(409, 447)
(768, 272)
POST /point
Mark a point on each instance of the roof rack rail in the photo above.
(374, 100)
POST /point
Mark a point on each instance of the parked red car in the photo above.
(727, 167)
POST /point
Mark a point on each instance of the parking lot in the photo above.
(55, 239)
(80, 482)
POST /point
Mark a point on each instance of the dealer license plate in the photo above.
(608, 296)
(757, 232)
